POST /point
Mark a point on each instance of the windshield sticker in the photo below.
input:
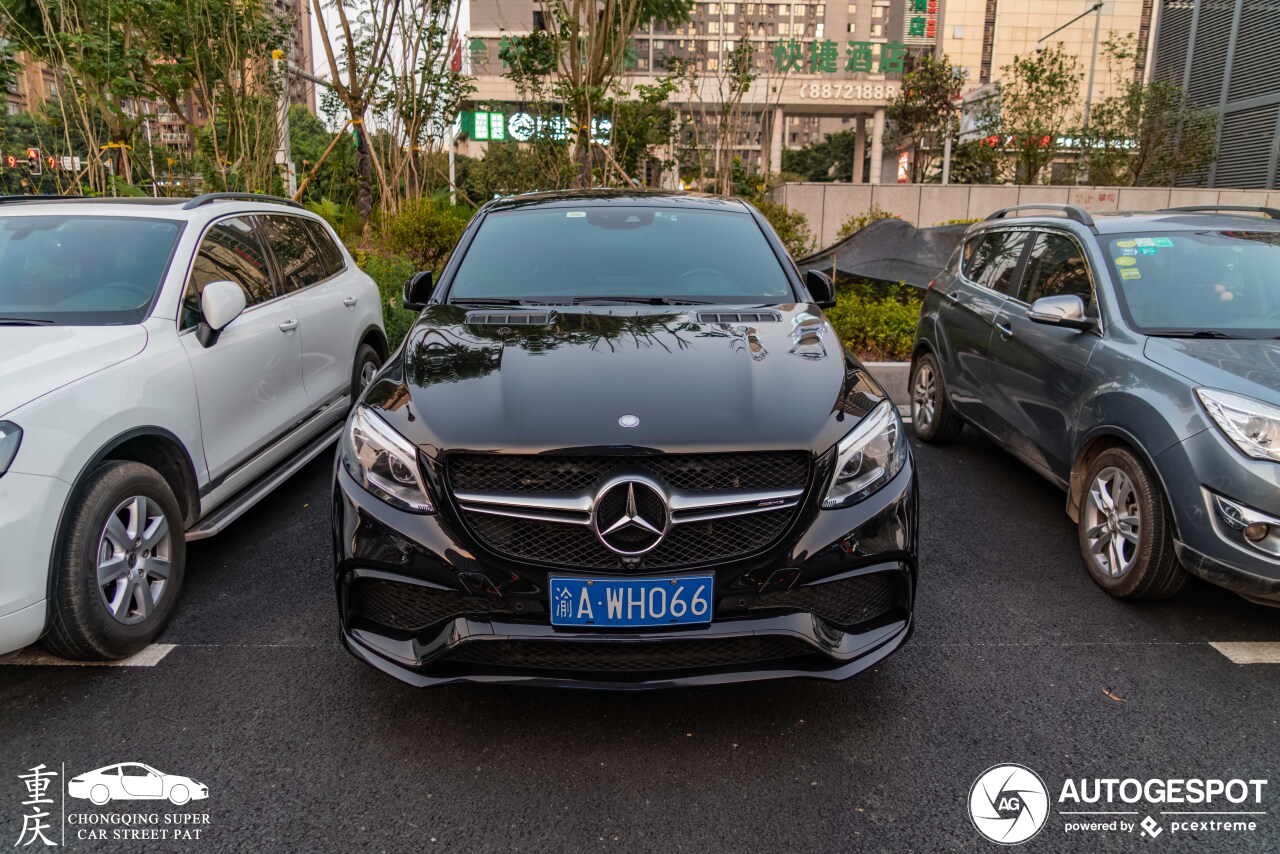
(1149, 250)
(1166, 242)
(1144, 241)
(575, 214)
(1126, 244)
(1130, 273)
(1126, 261)
(1128, 251)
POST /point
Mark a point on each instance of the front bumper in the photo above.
(30, 507)
(1197, 471)
(833, 598)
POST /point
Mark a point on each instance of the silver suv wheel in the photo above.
(1113, 522)
(924, 396)
(134, 559)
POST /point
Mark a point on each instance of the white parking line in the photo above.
(1254, 652)
(150, 656)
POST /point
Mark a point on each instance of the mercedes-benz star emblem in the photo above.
(629, 421)
(631, 517)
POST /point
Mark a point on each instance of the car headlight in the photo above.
(384, 462)
(868, 458)
(10, 439)
(1251, 425)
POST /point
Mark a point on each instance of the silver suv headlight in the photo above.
(1251, 425)
(10, 439)
(868, 458)
(384, 462)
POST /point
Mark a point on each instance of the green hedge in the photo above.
(390, 274)
(877, 320)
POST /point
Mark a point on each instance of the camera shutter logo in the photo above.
(1008, 804)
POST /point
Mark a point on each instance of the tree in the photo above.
(356, 68)
(594, 42)
(831, 159)
(1037, 103)
(925, 111)
(1146, 134)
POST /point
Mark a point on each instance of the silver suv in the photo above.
(1132, 359)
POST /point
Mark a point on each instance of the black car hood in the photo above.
(1250, 367)
(564, 380)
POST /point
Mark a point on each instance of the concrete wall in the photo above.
(827, 206)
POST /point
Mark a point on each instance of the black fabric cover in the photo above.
(890, 250)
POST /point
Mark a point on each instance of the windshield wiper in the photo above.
(1195, 333)
(25, 321)
(641, 300)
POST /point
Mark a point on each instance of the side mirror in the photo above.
(820, 288)
(220, 303)
(1062, 310)
(417, 290)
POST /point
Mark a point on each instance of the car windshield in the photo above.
(616, 252)
(1199, 284)
(81, 270)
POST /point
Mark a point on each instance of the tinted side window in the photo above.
(330, 254)
(300, 263)
(1056, 266)
(230, 250)
(994, 259)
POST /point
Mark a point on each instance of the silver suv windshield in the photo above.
(621, 253)
(81, 270)
(1209, 284)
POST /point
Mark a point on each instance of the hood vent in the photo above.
(738, 317)
(523, 318)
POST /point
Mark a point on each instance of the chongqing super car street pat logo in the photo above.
(1008, 804)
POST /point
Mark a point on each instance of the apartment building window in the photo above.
(713, 27)
(819, 29)
(820, 10)
(853, 28)
(713, 8)
(53, 90)
(877, 31)
(731, 8)
(853, 8)
(539, 20)
(798, 9)
(879, 10)
(784, 9)
(712, 63)
(729, 27)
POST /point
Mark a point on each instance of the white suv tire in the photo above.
(123, 531)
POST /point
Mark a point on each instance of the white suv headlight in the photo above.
(1251, 425)
(868, 458)
(384, 462)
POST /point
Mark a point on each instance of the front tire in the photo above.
(120, 567)
(1124, 531)
(932, 418)
(179, 795)
(364, 369)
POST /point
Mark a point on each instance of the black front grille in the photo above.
(634, 656)
(577, 545)
(412, 607)
(844, 603)
(518, 473)
(570, 545)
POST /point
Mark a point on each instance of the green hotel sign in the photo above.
(823, 57)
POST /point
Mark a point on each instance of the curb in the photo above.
(893, 377)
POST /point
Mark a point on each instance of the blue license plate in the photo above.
(631, 602)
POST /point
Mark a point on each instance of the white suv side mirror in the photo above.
(220, 303)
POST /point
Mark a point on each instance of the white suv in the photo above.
(164, 364)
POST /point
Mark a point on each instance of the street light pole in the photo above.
(1096, 11)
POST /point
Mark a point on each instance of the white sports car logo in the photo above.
(133, 781)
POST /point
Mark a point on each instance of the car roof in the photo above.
(202, 205)
(606, 197)
(1123, 222)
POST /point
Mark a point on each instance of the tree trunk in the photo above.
(364, 188)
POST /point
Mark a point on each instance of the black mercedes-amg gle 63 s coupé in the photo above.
(621, 447)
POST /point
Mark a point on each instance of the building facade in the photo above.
(1225, 54)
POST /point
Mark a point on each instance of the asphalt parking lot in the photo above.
(1017, 657)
